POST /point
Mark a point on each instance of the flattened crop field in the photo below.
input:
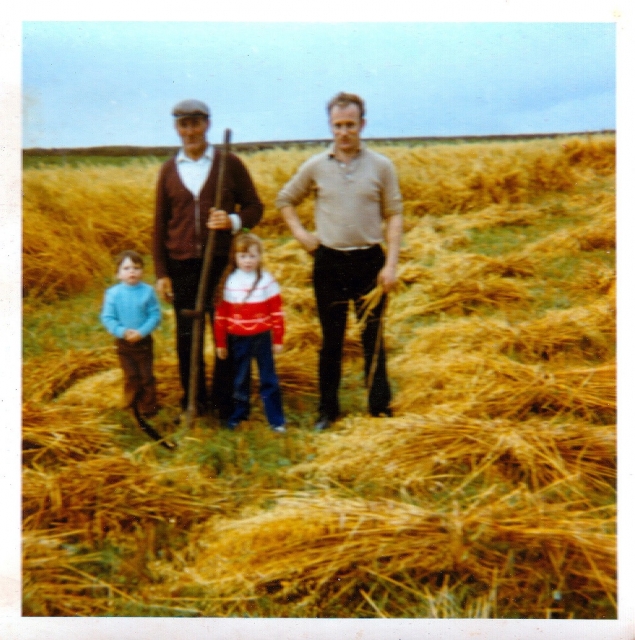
(490, 493)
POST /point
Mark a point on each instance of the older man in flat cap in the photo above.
(185, 196)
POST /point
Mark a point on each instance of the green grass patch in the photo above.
(567, 268)
(503, 239)
(66, 325)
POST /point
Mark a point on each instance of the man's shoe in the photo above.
(387, 412)
(322, 423)
(279, 428)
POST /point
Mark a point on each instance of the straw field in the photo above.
(490, 493)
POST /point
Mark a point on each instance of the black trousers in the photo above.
(185, 276)
(340, 276)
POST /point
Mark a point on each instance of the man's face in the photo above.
(346, 127)
(193, 133)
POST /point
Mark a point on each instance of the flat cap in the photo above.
(190, 108)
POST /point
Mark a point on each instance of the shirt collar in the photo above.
(331, 150)
(207, 155)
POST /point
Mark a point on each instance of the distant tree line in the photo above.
(129, 150)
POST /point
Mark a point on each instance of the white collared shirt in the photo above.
(194, 173)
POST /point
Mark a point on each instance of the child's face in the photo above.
(129, 272)
(249, 259)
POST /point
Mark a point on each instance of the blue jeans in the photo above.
(242, 350)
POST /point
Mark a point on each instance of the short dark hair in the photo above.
(129, 253)
(343, 99)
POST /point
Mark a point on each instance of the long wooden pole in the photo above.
(198, 328)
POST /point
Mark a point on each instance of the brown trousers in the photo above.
(139, 383)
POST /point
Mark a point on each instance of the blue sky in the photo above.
(110, 83)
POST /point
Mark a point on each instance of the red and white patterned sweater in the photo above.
(246, 315)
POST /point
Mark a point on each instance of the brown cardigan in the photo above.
(180, 230)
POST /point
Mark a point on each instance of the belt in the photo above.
(350, 250)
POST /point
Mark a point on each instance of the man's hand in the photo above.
(277, 348)
(387, 278)
(218, 219)
(307, 239)
(163, 288)
(221, 352)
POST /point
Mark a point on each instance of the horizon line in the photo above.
(315, 141)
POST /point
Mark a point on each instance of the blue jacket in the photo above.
(130, 307)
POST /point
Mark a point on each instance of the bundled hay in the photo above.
(99, 211)
(445, 455)
(518, 390)
(596, 153)
(313, 553)
(466, 294)
(474, 266)
(495, 215)
(582, 333)
(471, 334)
(112, 493)
(100, 391)
(587, 332)
(55, 581)
(596, 279)
(104, 390)
(492, 386)
(62, 435)
(290, 264)
(439, 179)
(422, 243)
(597, 234)
(60, 580)
(297, 370)
(460, 282)
(47, 377)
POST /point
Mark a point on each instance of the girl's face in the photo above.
(129, 272)
(249, 259)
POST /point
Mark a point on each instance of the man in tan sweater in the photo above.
(357, 209)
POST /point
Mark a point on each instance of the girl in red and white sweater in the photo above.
(249, 324)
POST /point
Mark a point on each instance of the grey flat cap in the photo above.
(190, 108)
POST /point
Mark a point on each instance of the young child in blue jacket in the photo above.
(130, 313)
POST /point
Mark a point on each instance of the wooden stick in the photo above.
(198, 328)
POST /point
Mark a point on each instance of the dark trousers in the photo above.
(185, 276)
(139, 384)
(244, 349)
(340, 276)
